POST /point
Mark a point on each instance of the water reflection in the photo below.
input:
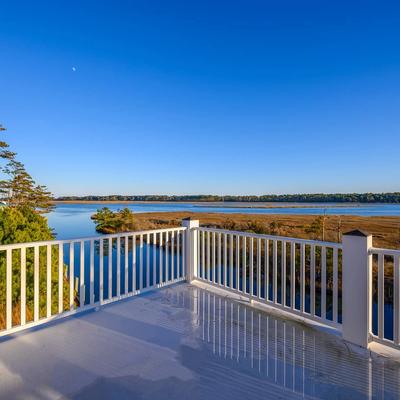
(147, 265)
(298, 359)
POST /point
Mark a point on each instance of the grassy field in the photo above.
(385, 230)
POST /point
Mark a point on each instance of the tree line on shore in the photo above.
(393, 197)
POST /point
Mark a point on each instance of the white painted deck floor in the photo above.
(183, 342)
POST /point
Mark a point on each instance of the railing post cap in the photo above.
(190, 222)
(357, 232)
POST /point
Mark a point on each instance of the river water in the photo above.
(73, 220)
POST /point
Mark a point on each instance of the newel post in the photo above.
(356, 288)
(191, 237)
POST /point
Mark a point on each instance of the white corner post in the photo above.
(191, 237)
(356, 288)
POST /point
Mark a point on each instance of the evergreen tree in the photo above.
(17, 188)
(20, 222)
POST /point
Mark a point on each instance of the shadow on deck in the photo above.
(184, 342)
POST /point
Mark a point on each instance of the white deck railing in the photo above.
(295, 275)
(70, 276)
(329, 283)
(385, 267)
(351, 287)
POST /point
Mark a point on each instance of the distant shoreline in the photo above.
(231, 204)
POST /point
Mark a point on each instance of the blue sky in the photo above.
(242, 97)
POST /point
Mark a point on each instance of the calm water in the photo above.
(73, 220)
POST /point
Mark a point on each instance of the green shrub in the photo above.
(21, 225)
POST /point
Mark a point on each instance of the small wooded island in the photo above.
(386, 230)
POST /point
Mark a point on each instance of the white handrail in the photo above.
(86, 239)
(385, 252)
(273, 237)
